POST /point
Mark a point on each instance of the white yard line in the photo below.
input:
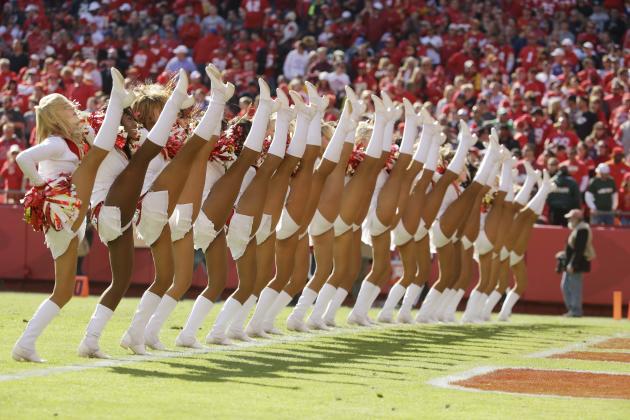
(121, 361)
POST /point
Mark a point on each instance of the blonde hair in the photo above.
(363, 133)
(149, 101)
(49, 121)
(327, 130)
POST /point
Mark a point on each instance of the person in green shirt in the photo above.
(565, 196)
(601, 196)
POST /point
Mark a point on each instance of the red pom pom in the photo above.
(356, 157)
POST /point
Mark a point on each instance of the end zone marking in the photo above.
(455, 381)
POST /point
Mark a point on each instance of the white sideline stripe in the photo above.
(446, 382)
(108, 363)
(574, 347)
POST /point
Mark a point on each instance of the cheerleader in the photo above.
(488, 244)
(322, 208)
(467, 236)
(242, 144)
(518, 239)
(273, 204)
(381, 216)
(158, 203)
(354, 203)
(246, 222)
(181, 222)
(288, 239)
(501, 263)
(449, 221)
(414, 247)
(63, 178)
(291, 211)
(126, 143)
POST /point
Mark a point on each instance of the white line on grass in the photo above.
(108, 363)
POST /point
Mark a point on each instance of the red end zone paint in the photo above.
(551, 383)
(594, 355)
(614, 343)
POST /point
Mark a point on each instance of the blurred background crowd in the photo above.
(550, 75)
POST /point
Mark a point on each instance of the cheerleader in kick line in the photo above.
(63, 177)
(322, 206)
(414, 247)
(489, 241)
(354, 203)
(518, 239)
(501, 264)
(159, 203)
(292, 251)
(242, 144)
(185, 213)
(273, 216)
(447, 229)
(241, 237)
(289, 211)
(502, 213)
(381, 216)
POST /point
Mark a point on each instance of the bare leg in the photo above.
(324, 255)
(183, 249)
(299, 276)
(216, 260)
(265, 261)
(121, 252)
(162, 252)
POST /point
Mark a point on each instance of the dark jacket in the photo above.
(576, 251)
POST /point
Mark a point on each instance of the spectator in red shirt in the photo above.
(618, 167)
(13, 176)
(561, 134)
(577, 169)
(82, 88)
(254, 11)
(528, 56)
(8, 139)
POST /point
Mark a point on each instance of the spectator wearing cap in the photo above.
(578, 254)
(601, 196)
(180, 61)
(618, 167)
(296, 62)
(12, 176)
(565, 196)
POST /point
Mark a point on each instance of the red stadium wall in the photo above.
(23, 255)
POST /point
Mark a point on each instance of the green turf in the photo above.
(355, 373)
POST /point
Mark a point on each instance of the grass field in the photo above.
(348, 373)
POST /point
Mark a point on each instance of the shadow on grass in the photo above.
(387, 354)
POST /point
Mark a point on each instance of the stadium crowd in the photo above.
(551, 76)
